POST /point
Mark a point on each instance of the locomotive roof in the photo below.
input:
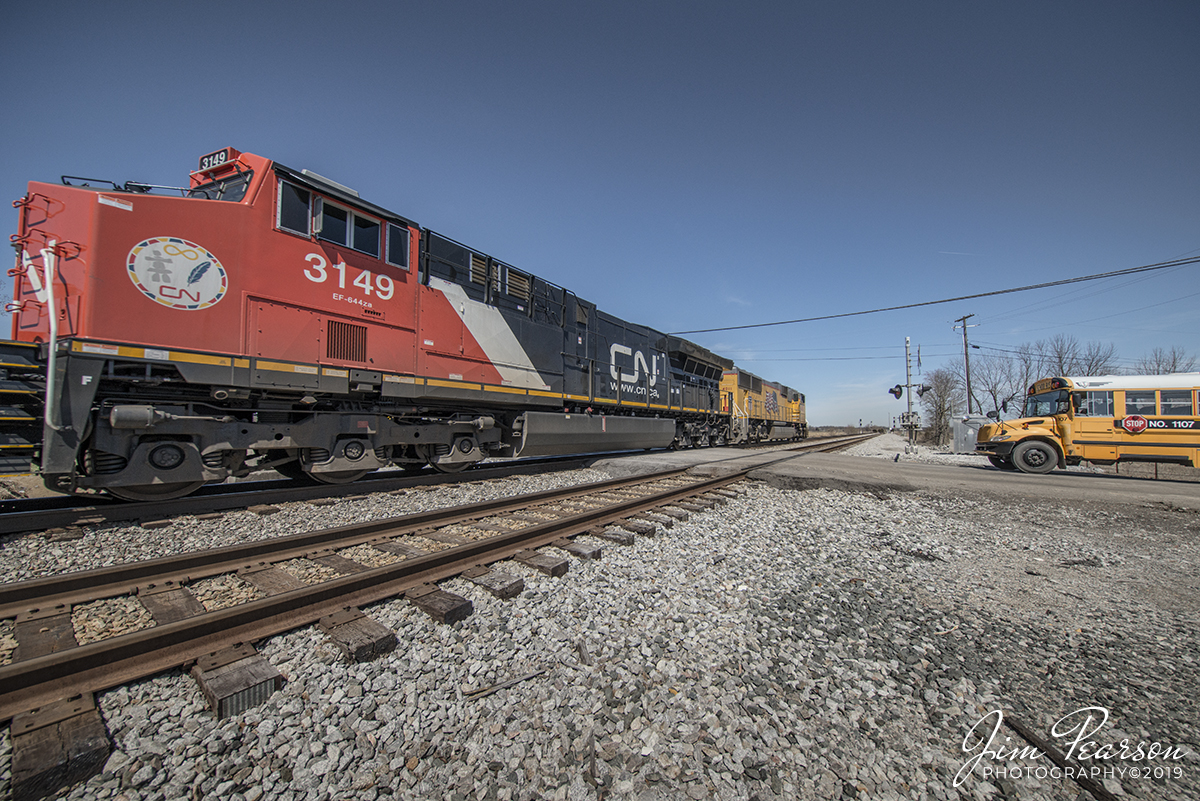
(701, 354)
(340, 193)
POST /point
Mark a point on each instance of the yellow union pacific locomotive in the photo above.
(761, 410)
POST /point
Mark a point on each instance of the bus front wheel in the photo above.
(1034, 457)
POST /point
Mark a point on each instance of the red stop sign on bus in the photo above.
(1135, 424)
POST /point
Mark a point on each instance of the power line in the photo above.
(1128, 271)
(842, 358)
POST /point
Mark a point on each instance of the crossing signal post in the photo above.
(909, 420)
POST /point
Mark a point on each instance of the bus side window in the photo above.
(1140, 401)
(1097, 404)
(1177, 402)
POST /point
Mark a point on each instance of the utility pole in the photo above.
(966, 356)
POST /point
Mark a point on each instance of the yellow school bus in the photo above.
(1100, 419)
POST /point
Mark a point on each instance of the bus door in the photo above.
(1092, 428)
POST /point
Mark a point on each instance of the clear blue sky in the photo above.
(690, 164)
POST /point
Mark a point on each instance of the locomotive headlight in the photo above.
(354, 450)
(166, 457)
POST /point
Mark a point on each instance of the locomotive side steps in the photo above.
(21, 389)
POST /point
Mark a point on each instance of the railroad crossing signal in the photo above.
(897, 391)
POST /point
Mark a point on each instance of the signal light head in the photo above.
(897, 391)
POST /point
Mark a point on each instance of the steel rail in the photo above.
(19, 515)
(34, 683)
(89, 585)
(33, 514)
(124, 579)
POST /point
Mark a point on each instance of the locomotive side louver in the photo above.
(346, 341)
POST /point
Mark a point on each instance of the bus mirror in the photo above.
(993, 415)
(1003, 407)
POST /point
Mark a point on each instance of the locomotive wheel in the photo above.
(338, 477)
(454, 467)
(291, 469)
(155, 492)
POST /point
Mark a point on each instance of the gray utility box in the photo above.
(965, 430)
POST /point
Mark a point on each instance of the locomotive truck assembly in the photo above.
(265, 317)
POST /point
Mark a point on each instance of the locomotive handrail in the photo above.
(66, 179)
(48, 263)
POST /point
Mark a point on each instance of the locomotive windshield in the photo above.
(232, 188)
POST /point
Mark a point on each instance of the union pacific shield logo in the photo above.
(177, 273)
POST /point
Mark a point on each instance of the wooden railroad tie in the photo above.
(578, 549)
(56, 746)
(643, 527)
(501, 585)
(613, 535)
(359, 637)
(64, 742)
(329, 558)
(270, 579)
(398, 548)
(236, 679)
(169, 602)
(550, 565)
(442, 606)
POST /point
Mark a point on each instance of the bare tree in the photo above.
(1161, 361)
(995, 381)
(1062, 354)
(1097, 359)
(944, 399)
(1030, 365)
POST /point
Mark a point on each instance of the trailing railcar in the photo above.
(265, 317)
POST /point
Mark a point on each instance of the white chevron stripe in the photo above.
(492, 333)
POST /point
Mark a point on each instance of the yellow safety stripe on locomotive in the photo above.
(437, 382)
(155, 354)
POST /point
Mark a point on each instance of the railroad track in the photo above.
(48, 690)
(429, 547)
(20, 515)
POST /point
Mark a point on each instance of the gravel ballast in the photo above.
(815, 645)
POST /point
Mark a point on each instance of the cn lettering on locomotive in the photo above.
(272, 318)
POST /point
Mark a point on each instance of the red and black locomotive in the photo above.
(264, 317)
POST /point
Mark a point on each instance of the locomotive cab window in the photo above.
(232, 188)
(293, 208)
(341, 226)
(397, 246)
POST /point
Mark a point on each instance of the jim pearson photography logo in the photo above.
(1081, 750)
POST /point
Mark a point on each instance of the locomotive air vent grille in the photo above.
(346, 341)
(518, 285)
(479, 272)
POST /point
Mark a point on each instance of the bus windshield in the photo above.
(1046, 404)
